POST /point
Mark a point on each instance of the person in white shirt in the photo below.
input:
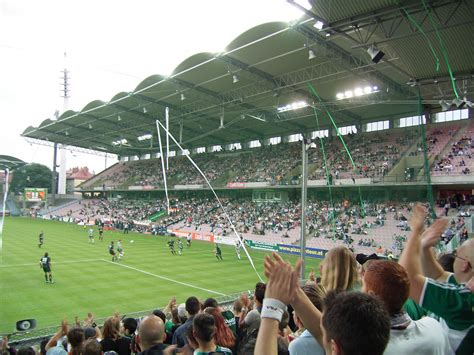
(390, 283)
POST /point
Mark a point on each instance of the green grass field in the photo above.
(87, 280)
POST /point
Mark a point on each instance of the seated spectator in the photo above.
(151, 335)
(452, 297)
(389, 282)
(204, 330)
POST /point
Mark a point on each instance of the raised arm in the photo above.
(430, 266)
(281, 287)
(411, 258)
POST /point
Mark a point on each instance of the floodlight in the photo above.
(445, 105)
(348, 94)
(375, 53)
(458, 102)
(367, 89)
(339, 95)
(183, 97)
(358, 92)
(318, 25)
(235, 78)
(311, 54)
(375, 88)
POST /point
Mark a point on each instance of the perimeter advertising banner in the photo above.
(295, 250)
(35, 194)
(261, 245)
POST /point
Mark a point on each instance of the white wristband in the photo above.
(272, 308)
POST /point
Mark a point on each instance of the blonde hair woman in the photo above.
(339, 270)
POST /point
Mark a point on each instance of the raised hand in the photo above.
(432, 235)
(282, 278)
(417, 219)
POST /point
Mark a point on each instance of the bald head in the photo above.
(464, 261)
(151, 332)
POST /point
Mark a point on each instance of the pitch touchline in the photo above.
(53, 263)
(163, 277)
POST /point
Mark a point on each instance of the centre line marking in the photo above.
(163, 277)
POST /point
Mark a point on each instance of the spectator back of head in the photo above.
(204, 327)
(355, 324)
(151, 332)
(339, 270)
(130, 325)
(260, 288)
(91, 347)
(192, 306)
(389, 281)
(210, 302)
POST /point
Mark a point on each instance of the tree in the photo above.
(31, 175)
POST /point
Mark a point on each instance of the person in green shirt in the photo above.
(450, 296)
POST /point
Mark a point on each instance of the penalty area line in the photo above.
(163, 277)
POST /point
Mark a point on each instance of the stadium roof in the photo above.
(8, 162)
(221, 98)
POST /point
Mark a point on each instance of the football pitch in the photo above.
(86, 279)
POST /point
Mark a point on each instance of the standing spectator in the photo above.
(306, 344)
(227, 314)
(251, 320)
(75, 338)
(339, 270)
(352, 323)
(389, 282)
(192, 307)
(223, 336)
(451, 300)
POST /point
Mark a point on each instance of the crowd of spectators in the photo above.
(359, 304)
(373, 154)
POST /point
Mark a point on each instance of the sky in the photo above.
(111, 46)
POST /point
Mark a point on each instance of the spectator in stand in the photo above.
(352, 322)
(112, 340)
(238, 315)
(223, 336)
(75, 338)
(151, 335)
(389, 282)
(227, 314)
(250, 319)
(91, 347)
(204, 330)
(306, 344)
(192, 307)
(339, 270)
(449, 296)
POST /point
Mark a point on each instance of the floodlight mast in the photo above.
(306, 142)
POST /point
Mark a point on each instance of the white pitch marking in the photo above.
(163, 277)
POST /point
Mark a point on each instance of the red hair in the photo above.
(223, 335)
(389, 281)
